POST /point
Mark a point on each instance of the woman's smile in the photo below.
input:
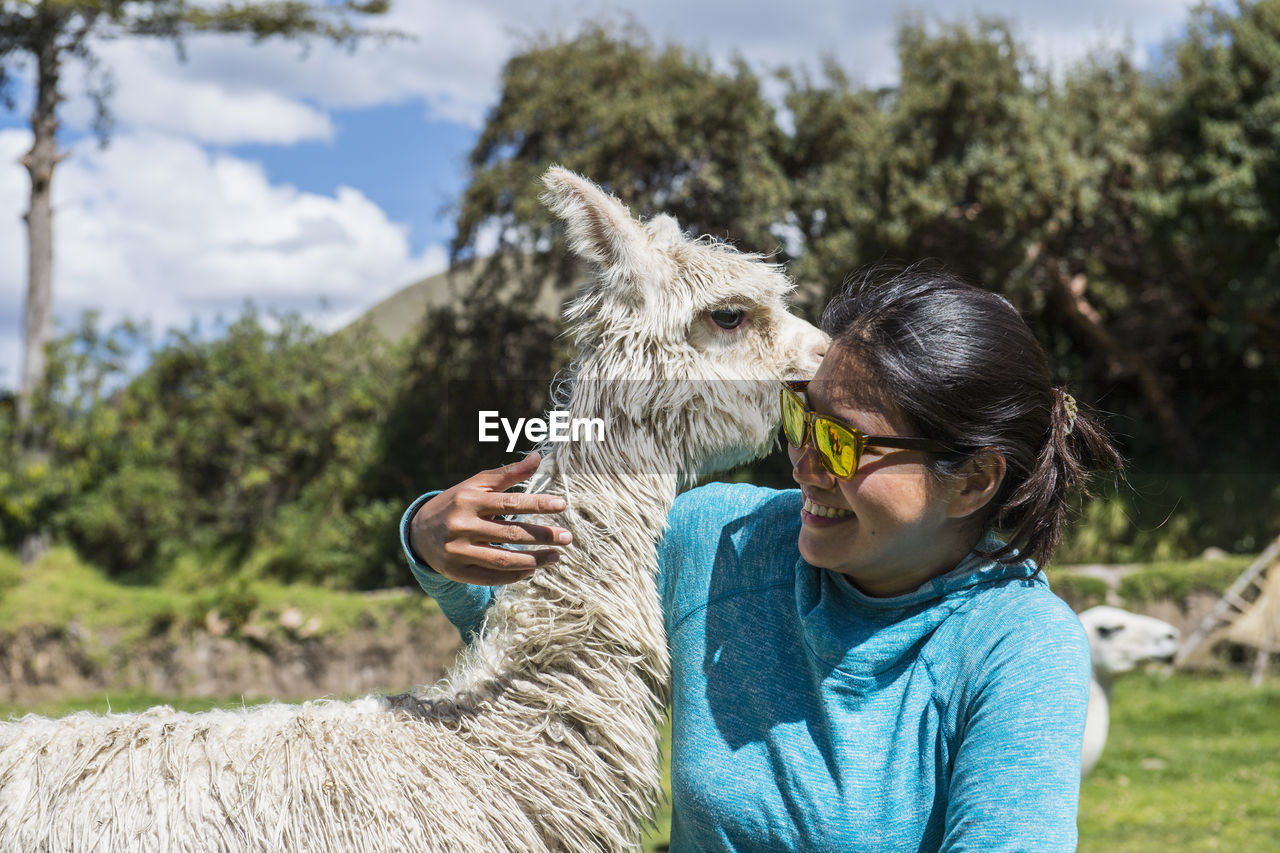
(822, 515)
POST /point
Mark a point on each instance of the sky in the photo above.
(322, 182)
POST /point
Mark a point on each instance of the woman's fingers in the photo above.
(501, 479)
(491, 565)
(461, 533)
(518, 533)
(486, 493)
(485, 503)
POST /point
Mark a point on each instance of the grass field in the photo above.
(1192, 764)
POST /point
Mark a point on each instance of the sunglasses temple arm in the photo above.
(905, 443)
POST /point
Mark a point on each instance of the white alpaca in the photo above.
(1118, 642)
(544, 735)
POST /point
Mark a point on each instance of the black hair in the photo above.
(962, 366)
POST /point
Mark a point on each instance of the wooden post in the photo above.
(1260, 664)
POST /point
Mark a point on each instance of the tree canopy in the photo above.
(1132, 215)
(662, 128)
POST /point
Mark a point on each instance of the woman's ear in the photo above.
(976, 483)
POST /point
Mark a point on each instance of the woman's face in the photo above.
(893, 525)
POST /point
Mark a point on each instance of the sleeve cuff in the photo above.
(416, 563)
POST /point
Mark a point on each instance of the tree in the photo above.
(49, 32)
(243, 448)
(1214, 211)
(979, 159)
(661, 128)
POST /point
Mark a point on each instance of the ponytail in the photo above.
(1034, 515)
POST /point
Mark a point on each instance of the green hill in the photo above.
(403, 311)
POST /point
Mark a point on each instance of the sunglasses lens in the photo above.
(792, 417)
(837, 445)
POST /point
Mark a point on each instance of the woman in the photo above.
(873, 661)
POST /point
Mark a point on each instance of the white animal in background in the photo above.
(1119, 641)
(544, 737)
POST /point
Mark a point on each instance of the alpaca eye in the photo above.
(728, 318)
(1108, 630)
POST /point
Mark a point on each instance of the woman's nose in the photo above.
(806, 469)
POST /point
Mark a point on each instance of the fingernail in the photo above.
(564, 538)
(558, 504)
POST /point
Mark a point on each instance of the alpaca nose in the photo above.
(819, 350)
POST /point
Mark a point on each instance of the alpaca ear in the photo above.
(664, 230)
(601, 229)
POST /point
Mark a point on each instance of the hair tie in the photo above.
(1070, 407)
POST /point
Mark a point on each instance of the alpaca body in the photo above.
(1118, 642)
(544, 736)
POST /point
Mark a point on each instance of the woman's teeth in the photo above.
(825, 511)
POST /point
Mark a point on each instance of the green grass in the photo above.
(59, 589)
(655, 840)
(1080, 591)
(1192, 763)
(120, 703)
(10, 573)
(1174, 581)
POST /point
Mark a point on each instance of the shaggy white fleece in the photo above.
(543, 737)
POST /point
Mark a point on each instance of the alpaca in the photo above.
(1118, 642)
(543, 737)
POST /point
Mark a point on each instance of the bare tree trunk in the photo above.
(1070, 295)
(40, 162)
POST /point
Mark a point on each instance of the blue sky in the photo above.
(323, 184)
(412, 164)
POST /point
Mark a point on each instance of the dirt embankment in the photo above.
(50, 663)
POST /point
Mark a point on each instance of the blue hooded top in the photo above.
(807, 715)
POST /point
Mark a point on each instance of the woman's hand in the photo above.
(457, 532)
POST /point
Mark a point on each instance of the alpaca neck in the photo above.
(572, 663)
(1097, 722)
(1103, 682)
(601, 596)
(624, 495)
(616, 513)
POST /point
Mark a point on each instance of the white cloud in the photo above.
(156, 228)
(232, 90)
(153, 91)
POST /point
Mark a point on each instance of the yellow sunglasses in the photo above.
(839, 445)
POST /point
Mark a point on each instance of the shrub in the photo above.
(1177, 581)
(1174, 517)
(1080, 591)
